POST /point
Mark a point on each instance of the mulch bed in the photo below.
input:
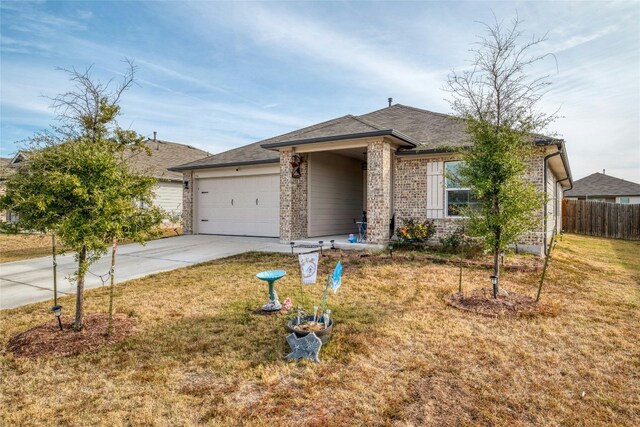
(49, 341)
(507, 305)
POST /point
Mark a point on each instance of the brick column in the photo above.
(187, 203)
(378, 191)
(293, 199)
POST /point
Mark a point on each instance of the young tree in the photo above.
(500, 102)
(77, 183)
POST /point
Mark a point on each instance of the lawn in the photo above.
(399, 354)
(16, 247)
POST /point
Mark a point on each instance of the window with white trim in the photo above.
(457, 198)
(624, 200)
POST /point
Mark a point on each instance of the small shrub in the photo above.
(416, 232)
(452, 243)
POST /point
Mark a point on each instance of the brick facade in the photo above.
(410, 197)
(187, 203)
(293, 198)
(407, 177)
(378, 191)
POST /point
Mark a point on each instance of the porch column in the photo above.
(293, 199)
(378, 191)
(187, 202)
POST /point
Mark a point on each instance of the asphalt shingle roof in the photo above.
(5, 170)
(426, 129)
(163, 155)
(599, 184)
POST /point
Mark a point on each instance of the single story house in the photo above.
(604, 188)
(317, 181)
(8, 166)
(168, 192)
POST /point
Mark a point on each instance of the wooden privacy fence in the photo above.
(601, 219)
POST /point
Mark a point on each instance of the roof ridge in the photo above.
(301, 131)
(368, 122)
(610, 177)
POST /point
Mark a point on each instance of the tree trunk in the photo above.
(82, 259)
(112, 274)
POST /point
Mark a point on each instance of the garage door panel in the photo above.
(228, 205)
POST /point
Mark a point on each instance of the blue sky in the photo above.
(219, 75)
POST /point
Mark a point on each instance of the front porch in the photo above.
(326, 189)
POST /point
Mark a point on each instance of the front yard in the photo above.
(399, 355)
(16, 247)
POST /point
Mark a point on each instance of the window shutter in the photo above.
(435, 190)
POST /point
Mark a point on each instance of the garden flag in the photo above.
(308, 267)
(336, 278)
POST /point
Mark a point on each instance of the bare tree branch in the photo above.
(91, 106)
(497, 88)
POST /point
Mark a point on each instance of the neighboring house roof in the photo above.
(421, 130)
(599, 184)
(5, 170)
(163, 155)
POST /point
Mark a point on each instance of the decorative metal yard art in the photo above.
(307, 347)
(319, 325)
(271, 276)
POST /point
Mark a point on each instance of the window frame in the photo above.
(447, 189)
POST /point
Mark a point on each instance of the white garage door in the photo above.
(240, 206)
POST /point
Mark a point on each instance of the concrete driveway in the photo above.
(24, 282)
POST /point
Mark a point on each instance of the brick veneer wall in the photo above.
(293, 199)
(378, 191)
(410, 200)
(535, 174)
(410, 196)
(187, 203)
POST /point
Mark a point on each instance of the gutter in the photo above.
(565, 163)
(386, 132)
(440, 150)
(223, 165)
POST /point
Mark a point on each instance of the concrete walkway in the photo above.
(28, 281)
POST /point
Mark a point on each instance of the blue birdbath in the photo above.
(271, 276)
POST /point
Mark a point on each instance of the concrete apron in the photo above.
(29, 281)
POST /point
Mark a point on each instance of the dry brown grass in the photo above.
(16, 247)
(399, 354)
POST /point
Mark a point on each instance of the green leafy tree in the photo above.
(499, 101)
(77, 182)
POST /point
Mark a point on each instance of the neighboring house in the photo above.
(8, 166)
(605, 188)
(168, 192)
(317, 181)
